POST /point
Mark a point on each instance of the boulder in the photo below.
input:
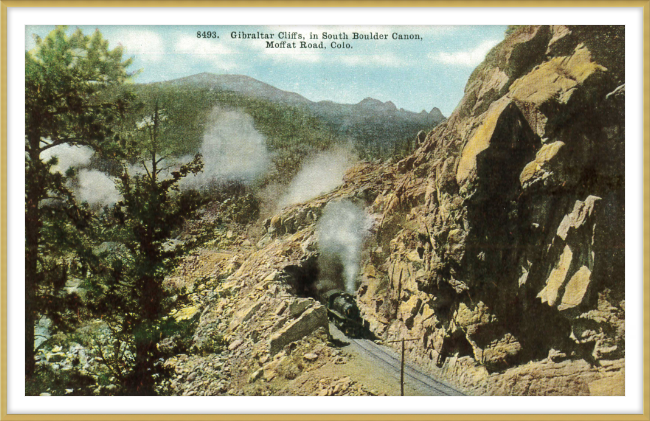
(42, 331)
(307, 323)
(280, 308)
(186, 313)
(298, 306)
(245, 314)
(546, 170)
(556, 79)
(556, 279)
(275, 224)
(582, 211)
(576, 289)
(235, 344)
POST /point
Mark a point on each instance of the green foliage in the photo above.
(129, 294)
(64, 79)
(214, 344)
(55, 382)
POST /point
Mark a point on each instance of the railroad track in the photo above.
(386, 364)
(414, 377)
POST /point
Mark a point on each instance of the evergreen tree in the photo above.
(153, 207)
(65, 77)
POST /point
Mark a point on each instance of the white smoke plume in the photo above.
(341, 231)
(96, 188)
(69, 156)
(232, 150)
(321, 174)
(91, 186)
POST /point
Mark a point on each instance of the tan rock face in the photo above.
(557, 78)
(307, 323)
(557, 278)
(544, 169)
(576, 289)
(609, 386)
(514, 236)
(480, 141)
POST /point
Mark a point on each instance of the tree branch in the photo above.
(107, 364)
(77, 141)
(146, 169)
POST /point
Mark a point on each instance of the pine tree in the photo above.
(65, 78)
(133, 301)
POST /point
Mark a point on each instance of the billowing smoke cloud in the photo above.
(318, 175)
(232, 150)
(96, 188)
(91, 186)
(341, 231)
(68, 156)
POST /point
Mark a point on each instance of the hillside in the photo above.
(378, 129)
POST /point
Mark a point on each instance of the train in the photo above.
(343, 311)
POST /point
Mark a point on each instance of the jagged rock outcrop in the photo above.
(304, 325)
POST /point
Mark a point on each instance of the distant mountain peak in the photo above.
(244, 85)
(370, 101)
(377, 104)
(436, 114)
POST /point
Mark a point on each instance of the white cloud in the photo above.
(208, 49)
(144, 44)
(188, 44)
(383, 60)
(466, 58)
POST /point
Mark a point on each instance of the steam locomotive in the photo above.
(343, 311)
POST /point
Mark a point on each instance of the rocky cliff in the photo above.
(498, 244)
(503, 242)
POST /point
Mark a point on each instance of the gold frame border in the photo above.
(645, 4)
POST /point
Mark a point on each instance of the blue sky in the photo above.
(414, 74)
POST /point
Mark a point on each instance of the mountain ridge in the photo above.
(250, 86)
(378, 127)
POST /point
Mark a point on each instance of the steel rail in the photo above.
(428, 384)
(414, 372)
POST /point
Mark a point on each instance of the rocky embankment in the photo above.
(499, 244)
(256, 311)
